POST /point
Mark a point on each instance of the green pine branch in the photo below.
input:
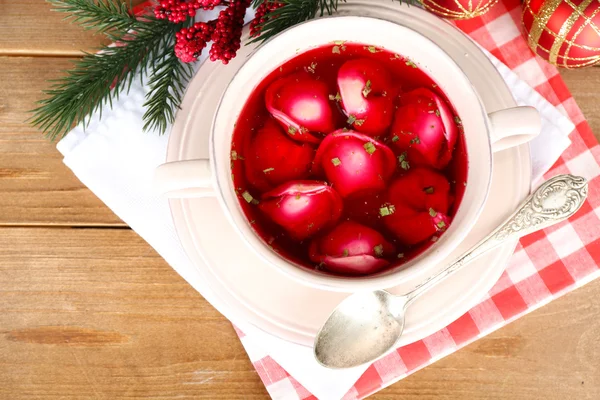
(167, 87)
(293, 12)
(101, 15)
(143, 47)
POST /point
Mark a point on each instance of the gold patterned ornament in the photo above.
(458, 9)
(564, 32)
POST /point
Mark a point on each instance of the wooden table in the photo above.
(89, 311)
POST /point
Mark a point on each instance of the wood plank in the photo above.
(97, 314)
(89, 313)
(30, 27)
(37, 188)
(584, 85)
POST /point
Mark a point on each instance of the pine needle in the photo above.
(167, 87)
(100, 15)
(293, 12)
(86, 88)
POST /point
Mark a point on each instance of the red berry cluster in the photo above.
(225, 31)
(262, 10)
(191, 41)
(228, 31)
(179, 10)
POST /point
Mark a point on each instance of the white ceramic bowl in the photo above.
(483, 134)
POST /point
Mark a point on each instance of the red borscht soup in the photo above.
(348, 159)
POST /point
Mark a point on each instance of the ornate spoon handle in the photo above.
(554, 201)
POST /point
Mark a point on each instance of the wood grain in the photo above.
(37, 188)
(585, 86)
(97, 314)
(30, 27)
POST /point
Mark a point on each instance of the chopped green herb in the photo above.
(359, 122)
(303, 130)
(400, 255)
(457, 120)
(415, 140)
(432, 212)
(378, 250)
(387, 210)
(337, 97)
(367, 89)
(267, 170)
(298, 197)
(395, 138)
(311, 67)
(336, 161)
(234, 155)
(411, 64)
(248, 197)
(402, 160)
(336, 50)
(370, 147)
(372, 49)
(345, 253)
(429, 190)
(339, 42)
(351, 119)
(344, 129)
(437, 113)
(441, 225)
(292, 130)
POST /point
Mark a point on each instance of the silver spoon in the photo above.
(368, 324)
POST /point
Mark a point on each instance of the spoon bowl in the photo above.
(365, 325)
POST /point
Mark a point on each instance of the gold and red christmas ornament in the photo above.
(458, 9)
(564, 32)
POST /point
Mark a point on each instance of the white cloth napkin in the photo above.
(116, 160)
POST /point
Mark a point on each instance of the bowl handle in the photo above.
(184, 179)
(514, 126)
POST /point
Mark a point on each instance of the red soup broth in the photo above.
(323, 64)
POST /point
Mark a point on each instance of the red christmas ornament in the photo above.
(458, 9)
(566, 33)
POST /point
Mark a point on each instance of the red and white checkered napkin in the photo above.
(545, 265)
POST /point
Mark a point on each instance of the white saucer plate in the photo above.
(249, 290)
